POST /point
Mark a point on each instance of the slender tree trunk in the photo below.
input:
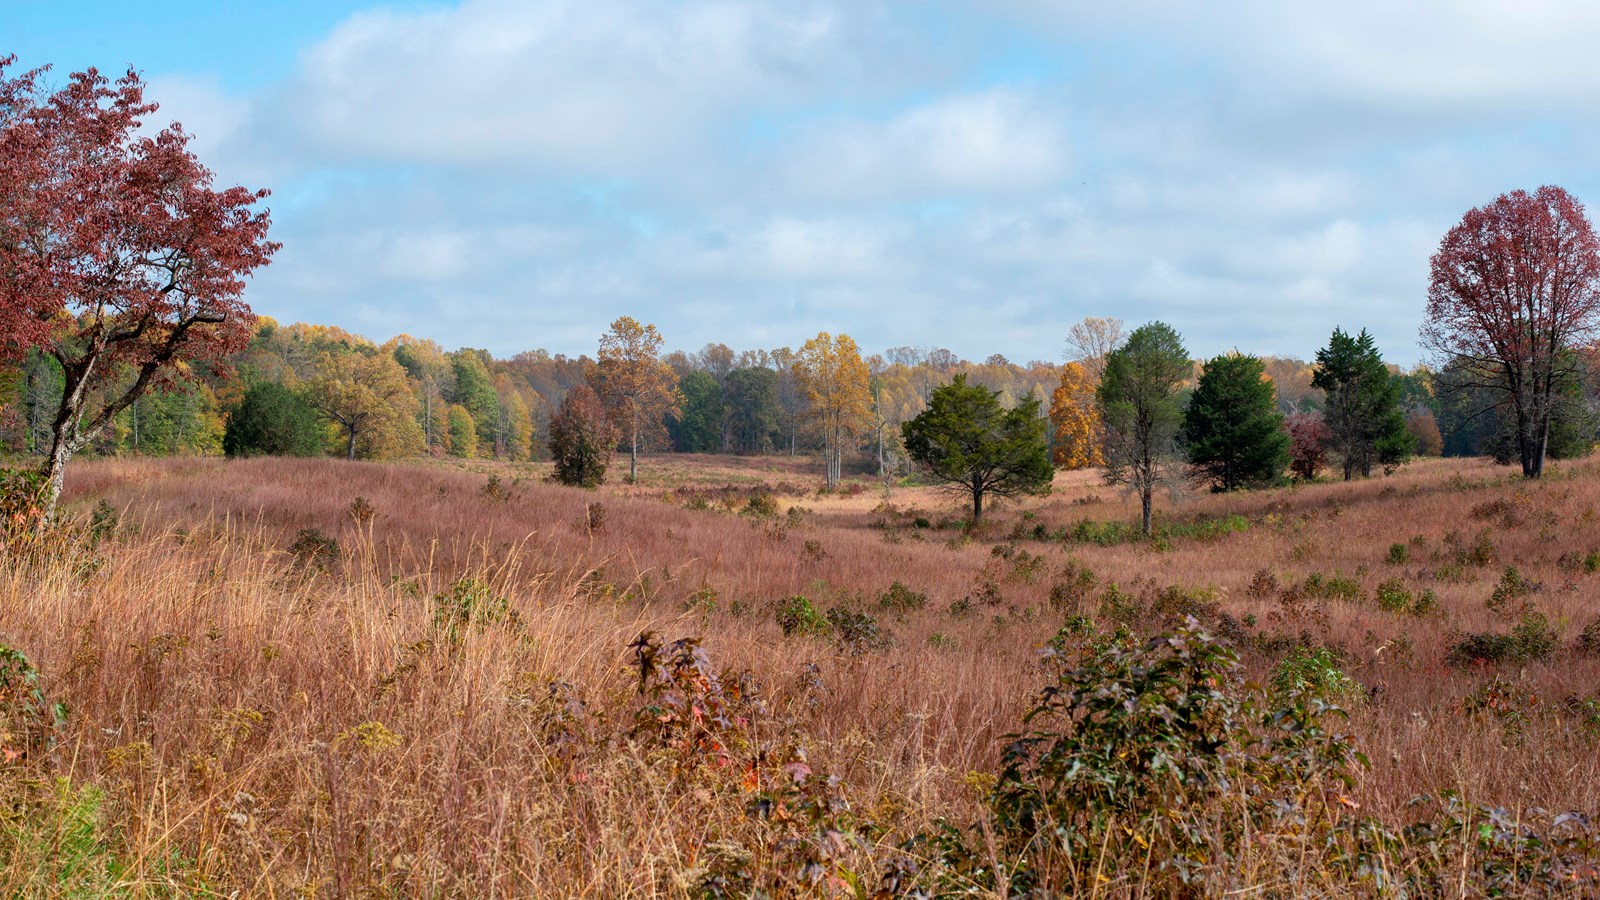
(633, 457)
(977, 505)
(350, 447)
(1144, 503)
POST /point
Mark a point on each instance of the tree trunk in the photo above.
(350, 447)
(55, 477)
(1144, 503)
(633, 458)
(977, 505)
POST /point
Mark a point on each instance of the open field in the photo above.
(443, 704)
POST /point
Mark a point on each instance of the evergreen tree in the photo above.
(1232, 426)
(582, 439)
(272, 420)
(967, 440)
(1362, 411)
(1139, 402)
(474, 390)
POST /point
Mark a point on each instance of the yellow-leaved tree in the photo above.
(835, 381)
(367, 397)
(1076, 419)
(636, 387)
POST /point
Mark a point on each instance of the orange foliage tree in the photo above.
(1076, 419)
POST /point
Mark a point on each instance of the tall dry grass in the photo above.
(268, 727)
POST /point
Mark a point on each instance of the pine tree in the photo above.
(1232, 427)
(1362, 411)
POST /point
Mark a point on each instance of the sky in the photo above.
(969, 174)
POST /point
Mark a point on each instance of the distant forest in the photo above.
(412, 398)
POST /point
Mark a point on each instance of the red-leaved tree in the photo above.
(1308, 444)
(117, 258)
(1515, 287)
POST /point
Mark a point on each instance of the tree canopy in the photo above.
(966, 439)
(1139, 399)
(581, 439)
(272, 420)
(835, 381)
(1362, 410)
(1514, 287)
(117, 257)
(1232, 428)
(637, 389)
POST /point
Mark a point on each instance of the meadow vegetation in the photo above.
(306, 677)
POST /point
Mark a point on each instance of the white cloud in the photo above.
(512, 173)
(586, 84)
(991, 142)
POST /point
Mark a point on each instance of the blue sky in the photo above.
(514, 174)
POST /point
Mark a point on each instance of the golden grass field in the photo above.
(243, 723)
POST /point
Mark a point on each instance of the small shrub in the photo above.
(21, 504)
(1591, 563)
(857, 632)
(1313, 672)
(495, 490)
(469, 602)
(361, 511)
(594, 519)
(761, 505)
(1504, 702)
(1392, 595)
(1533, 638)
(1333, 587)
(797, 615)
(1511, 588)
(1072, 589)
(1398, 554)
(103, 522)
(1127, 760)
(1589, 639)
(1120, 607)
(1263, 585)
(813, 551)
(703, 601)
(902, 599)
(314, 551)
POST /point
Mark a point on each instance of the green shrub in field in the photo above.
(314, 551)
(1332, 587)
(761, 505)
(1398, 554)
(1313, 672)
(798, 615)
(1392, 595)
(857, 632)
(1532, 639)
(902, 599)
(1153, 758)
(469, 602)
(1511, 588)
(1589, 639)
